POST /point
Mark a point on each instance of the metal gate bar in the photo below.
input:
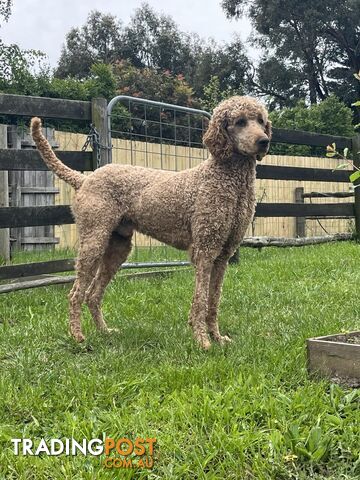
(143, 101)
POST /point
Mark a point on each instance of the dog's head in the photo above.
(239, 125)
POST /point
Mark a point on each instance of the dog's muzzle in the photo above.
(262, 146)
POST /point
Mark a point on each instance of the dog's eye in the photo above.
(261, 121)
(241, 122)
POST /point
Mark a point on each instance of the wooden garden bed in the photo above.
(336, 357)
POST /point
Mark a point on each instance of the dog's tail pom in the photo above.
(74, 178)
(35, 126)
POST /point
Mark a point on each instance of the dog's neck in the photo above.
(237, 162)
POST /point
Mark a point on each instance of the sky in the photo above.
(43, 24)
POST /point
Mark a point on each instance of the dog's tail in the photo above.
(74, 178)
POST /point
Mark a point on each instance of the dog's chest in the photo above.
(244, 210)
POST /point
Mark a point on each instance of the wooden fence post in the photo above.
(99, 120)
(4, 199)
(15, 183)
(299, 221)
(356, 156)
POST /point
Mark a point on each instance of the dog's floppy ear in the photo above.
(216, 137)
(268, 129)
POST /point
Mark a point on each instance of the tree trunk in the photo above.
(312, 89)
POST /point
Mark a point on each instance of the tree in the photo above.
(16, 64)
(5, 9)
(313, 38)
(283, 28)
(213, 94)
(148, 83)
(229, 63)
(153, 41)
(98, 41)
(282, 85)
(342, 28)
(150, 40)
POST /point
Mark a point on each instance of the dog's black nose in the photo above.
(263, 142)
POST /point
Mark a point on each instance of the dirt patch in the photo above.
(346, 381)
(353, 338)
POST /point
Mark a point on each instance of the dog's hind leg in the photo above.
(86, 267)
(115, 254)
(93, 243)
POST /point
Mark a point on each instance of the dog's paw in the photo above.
(204, 343)
(223, 340)
(79, 337)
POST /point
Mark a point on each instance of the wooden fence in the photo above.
(95, 112)
(171, 157)
(30, 188)
(14, 161)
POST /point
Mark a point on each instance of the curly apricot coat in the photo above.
(205, 210)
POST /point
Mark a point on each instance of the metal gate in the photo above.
(157, 135)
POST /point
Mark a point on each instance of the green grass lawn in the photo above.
(247, 411)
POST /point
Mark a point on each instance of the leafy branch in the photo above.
(331, 152)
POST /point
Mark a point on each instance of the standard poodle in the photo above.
(204, 210)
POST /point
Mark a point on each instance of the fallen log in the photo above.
(46, 281)
(259, 242)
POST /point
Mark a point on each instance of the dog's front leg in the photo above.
(216, 281)
(198, 312)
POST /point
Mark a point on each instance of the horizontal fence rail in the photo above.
(305, 210)
(35, 216)
(274, 172)
(37, 268)
(61, 214)
(60, 266)
(300, 137)
(20, 105)
(83, 161)
(31, 160)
